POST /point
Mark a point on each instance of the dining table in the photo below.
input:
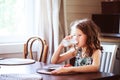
(31, 71)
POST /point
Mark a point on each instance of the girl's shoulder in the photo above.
(96, 53)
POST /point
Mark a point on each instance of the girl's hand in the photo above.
(68, 37)
(65, 42)
(62, 70)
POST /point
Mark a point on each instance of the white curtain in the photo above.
(47, 22)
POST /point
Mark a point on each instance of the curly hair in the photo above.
(92, 31)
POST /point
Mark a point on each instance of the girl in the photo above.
(87, 49)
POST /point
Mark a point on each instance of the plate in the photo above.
(16, 61)
(48, 68)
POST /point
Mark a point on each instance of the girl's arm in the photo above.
(90, 68)
(86, 68)
(58, 58)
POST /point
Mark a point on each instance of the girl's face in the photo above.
(80, 37)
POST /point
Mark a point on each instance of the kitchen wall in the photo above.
(79, 9)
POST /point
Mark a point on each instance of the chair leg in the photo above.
(25, 51)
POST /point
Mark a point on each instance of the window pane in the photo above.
(13, 19)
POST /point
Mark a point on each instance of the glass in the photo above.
(70, 42)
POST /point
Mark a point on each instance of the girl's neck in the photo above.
(84, 52)
(84, 49)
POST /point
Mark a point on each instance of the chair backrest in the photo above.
(108, 57)
(28, 49)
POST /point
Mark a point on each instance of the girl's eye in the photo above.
(78, 35)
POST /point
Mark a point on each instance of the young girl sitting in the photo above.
(87, 49)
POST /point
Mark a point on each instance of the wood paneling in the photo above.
(76, 16)
(83, 9)
(79, 9)
(83, 2)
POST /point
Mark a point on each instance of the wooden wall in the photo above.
(79, 9)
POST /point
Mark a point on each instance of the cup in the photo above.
(69, 42)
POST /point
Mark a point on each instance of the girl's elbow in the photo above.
(53, 62)
(96, 69)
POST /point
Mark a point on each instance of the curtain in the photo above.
(48, 23)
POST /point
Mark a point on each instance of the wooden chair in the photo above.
(108, 58)
(28, 49)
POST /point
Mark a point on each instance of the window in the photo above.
(16, 24)
(16, 20)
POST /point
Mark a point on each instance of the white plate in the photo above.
(16, 61)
